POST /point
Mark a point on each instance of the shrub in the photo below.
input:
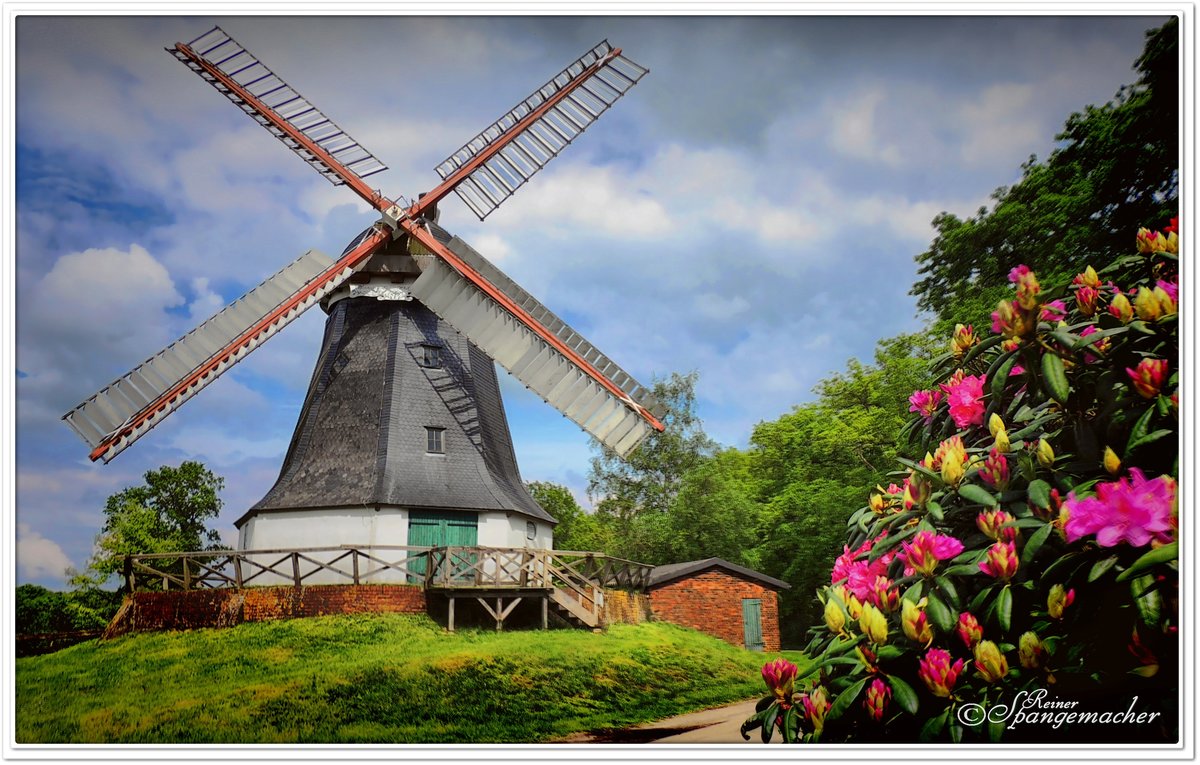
(1026, 568)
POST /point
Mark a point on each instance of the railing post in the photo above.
(187, 574)
(237, 569)
(129, 583)
(354, 563)
(296, 569)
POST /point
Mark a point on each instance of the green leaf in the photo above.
(1140, 428)
(1164, 554)
(935, 510)
(1000, 378)
(940, 613)
(934, 725)
(1147, 599)
(919, 468)
(1101, 568)
(1148, 438)
(983, 345)
(1039, 493)
(1035, 543)
(948, 588)
(1055, 378)
(973, 492)
(1004, 608)
(956, 732)
(844, 700)
(963, 569)
(995, 730)
(904, 694)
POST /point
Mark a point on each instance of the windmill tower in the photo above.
(402, 437)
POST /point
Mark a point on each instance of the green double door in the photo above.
(752, 623)
(440, 529)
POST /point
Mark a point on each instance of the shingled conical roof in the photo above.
(361, 439)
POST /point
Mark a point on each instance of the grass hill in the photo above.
(373, 679)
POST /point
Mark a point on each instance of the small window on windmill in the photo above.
(530, 531)
(435, 441)
(338, 364)
(431, 356)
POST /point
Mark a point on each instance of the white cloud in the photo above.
(852, 128)
(39, 557)
(1000, 122)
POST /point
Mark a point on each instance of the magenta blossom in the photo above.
(924, 402)
(964, 393)
(1055, 310)
(926, 550)
(1171, 288)
(1136, 511)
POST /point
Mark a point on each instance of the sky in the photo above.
(751, 210)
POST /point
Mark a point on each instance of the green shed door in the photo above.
(752, 623)
(441, 529)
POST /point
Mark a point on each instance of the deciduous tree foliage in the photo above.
(1116, 170)
(168, 513)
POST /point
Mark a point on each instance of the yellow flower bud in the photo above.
(952, 472)
(1045, 454)
(873, 624)
(1146, 304)
(990, 662)
(1165, 303)
(835, 617)
(1121, 308)
(995, 423)
(1002, 444)
(1112, 463)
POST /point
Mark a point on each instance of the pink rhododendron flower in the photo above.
(780, 675)
(1149, 376)
(1101, 346)
(924, 402)
(1055, 310)
(926, 550)
(878, 695)
(1001, 561)
(938, 673)
(1171, 288)
(1086, 299)
(994, 471)
(965, 396)
(1133, 510)
(969, 629)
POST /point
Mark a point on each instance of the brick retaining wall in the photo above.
(711, 601)
(149, 611)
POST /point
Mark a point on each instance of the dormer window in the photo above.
(431, 356)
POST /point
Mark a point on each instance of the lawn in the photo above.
(377, 679)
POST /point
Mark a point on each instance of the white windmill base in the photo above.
(364, 528)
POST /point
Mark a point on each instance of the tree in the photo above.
(577, 529)
(810, 464)
(168, 513)
(1117, 169)
(649, 478)
(715, 514)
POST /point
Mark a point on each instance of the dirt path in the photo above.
(710, 726)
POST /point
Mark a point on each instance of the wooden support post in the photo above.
(187, 575)
(450, 620)
(354, 561)
(237, 570)
(296, 570)
(499, 615)
(546, 612)
(129, 583)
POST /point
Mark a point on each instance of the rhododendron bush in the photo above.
(1027, 550)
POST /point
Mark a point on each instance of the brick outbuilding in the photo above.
(731, 602)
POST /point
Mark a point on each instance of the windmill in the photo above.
(402, 437)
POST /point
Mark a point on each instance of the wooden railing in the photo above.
(580, 573)
(212, 569)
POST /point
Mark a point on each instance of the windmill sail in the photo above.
(126, 409)
(561, 109)
(615, 420)
(247, 82)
